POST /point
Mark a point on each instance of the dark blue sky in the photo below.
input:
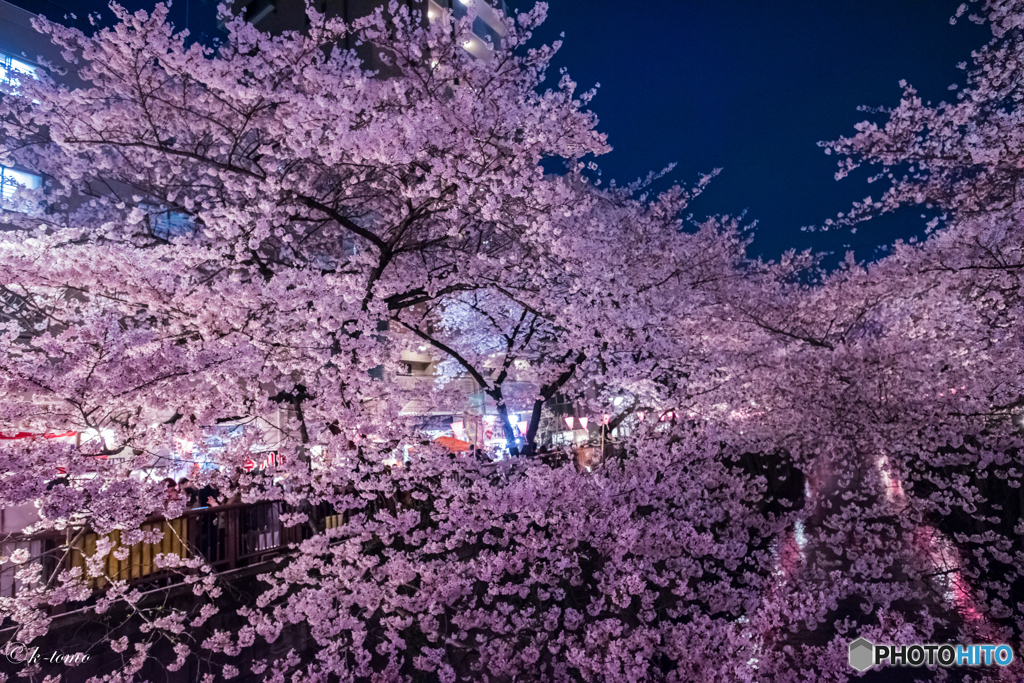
(750, 86)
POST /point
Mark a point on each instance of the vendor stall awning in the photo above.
(452, 444)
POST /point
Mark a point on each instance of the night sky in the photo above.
(750, 86)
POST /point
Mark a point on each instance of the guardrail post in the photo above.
(232, 537)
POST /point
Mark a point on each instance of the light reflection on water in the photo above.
(940, 554)
(936, 553)
(946, 562)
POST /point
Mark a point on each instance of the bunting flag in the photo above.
(61, 471)
(29, 435)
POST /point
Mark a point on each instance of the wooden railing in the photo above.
(227, 537)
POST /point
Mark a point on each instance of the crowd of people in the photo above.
(205, 496)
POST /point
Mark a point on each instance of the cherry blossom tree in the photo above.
(912, 443)
(251, 236)
(225, 236)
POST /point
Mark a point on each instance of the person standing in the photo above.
(171, 489)
(189, 491)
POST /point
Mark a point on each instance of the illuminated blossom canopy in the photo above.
(252, 236)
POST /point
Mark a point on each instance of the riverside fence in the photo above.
(226, 536)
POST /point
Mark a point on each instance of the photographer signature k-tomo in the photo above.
(20, 653)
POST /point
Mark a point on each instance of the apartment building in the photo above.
(277, 16)
(21, 48)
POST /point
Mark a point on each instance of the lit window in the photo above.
(486, 32)
(11, 180)
(13, 70)
(168, 224)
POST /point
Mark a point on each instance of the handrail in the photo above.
(227, 536)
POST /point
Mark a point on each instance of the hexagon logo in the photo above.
(862, 654)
